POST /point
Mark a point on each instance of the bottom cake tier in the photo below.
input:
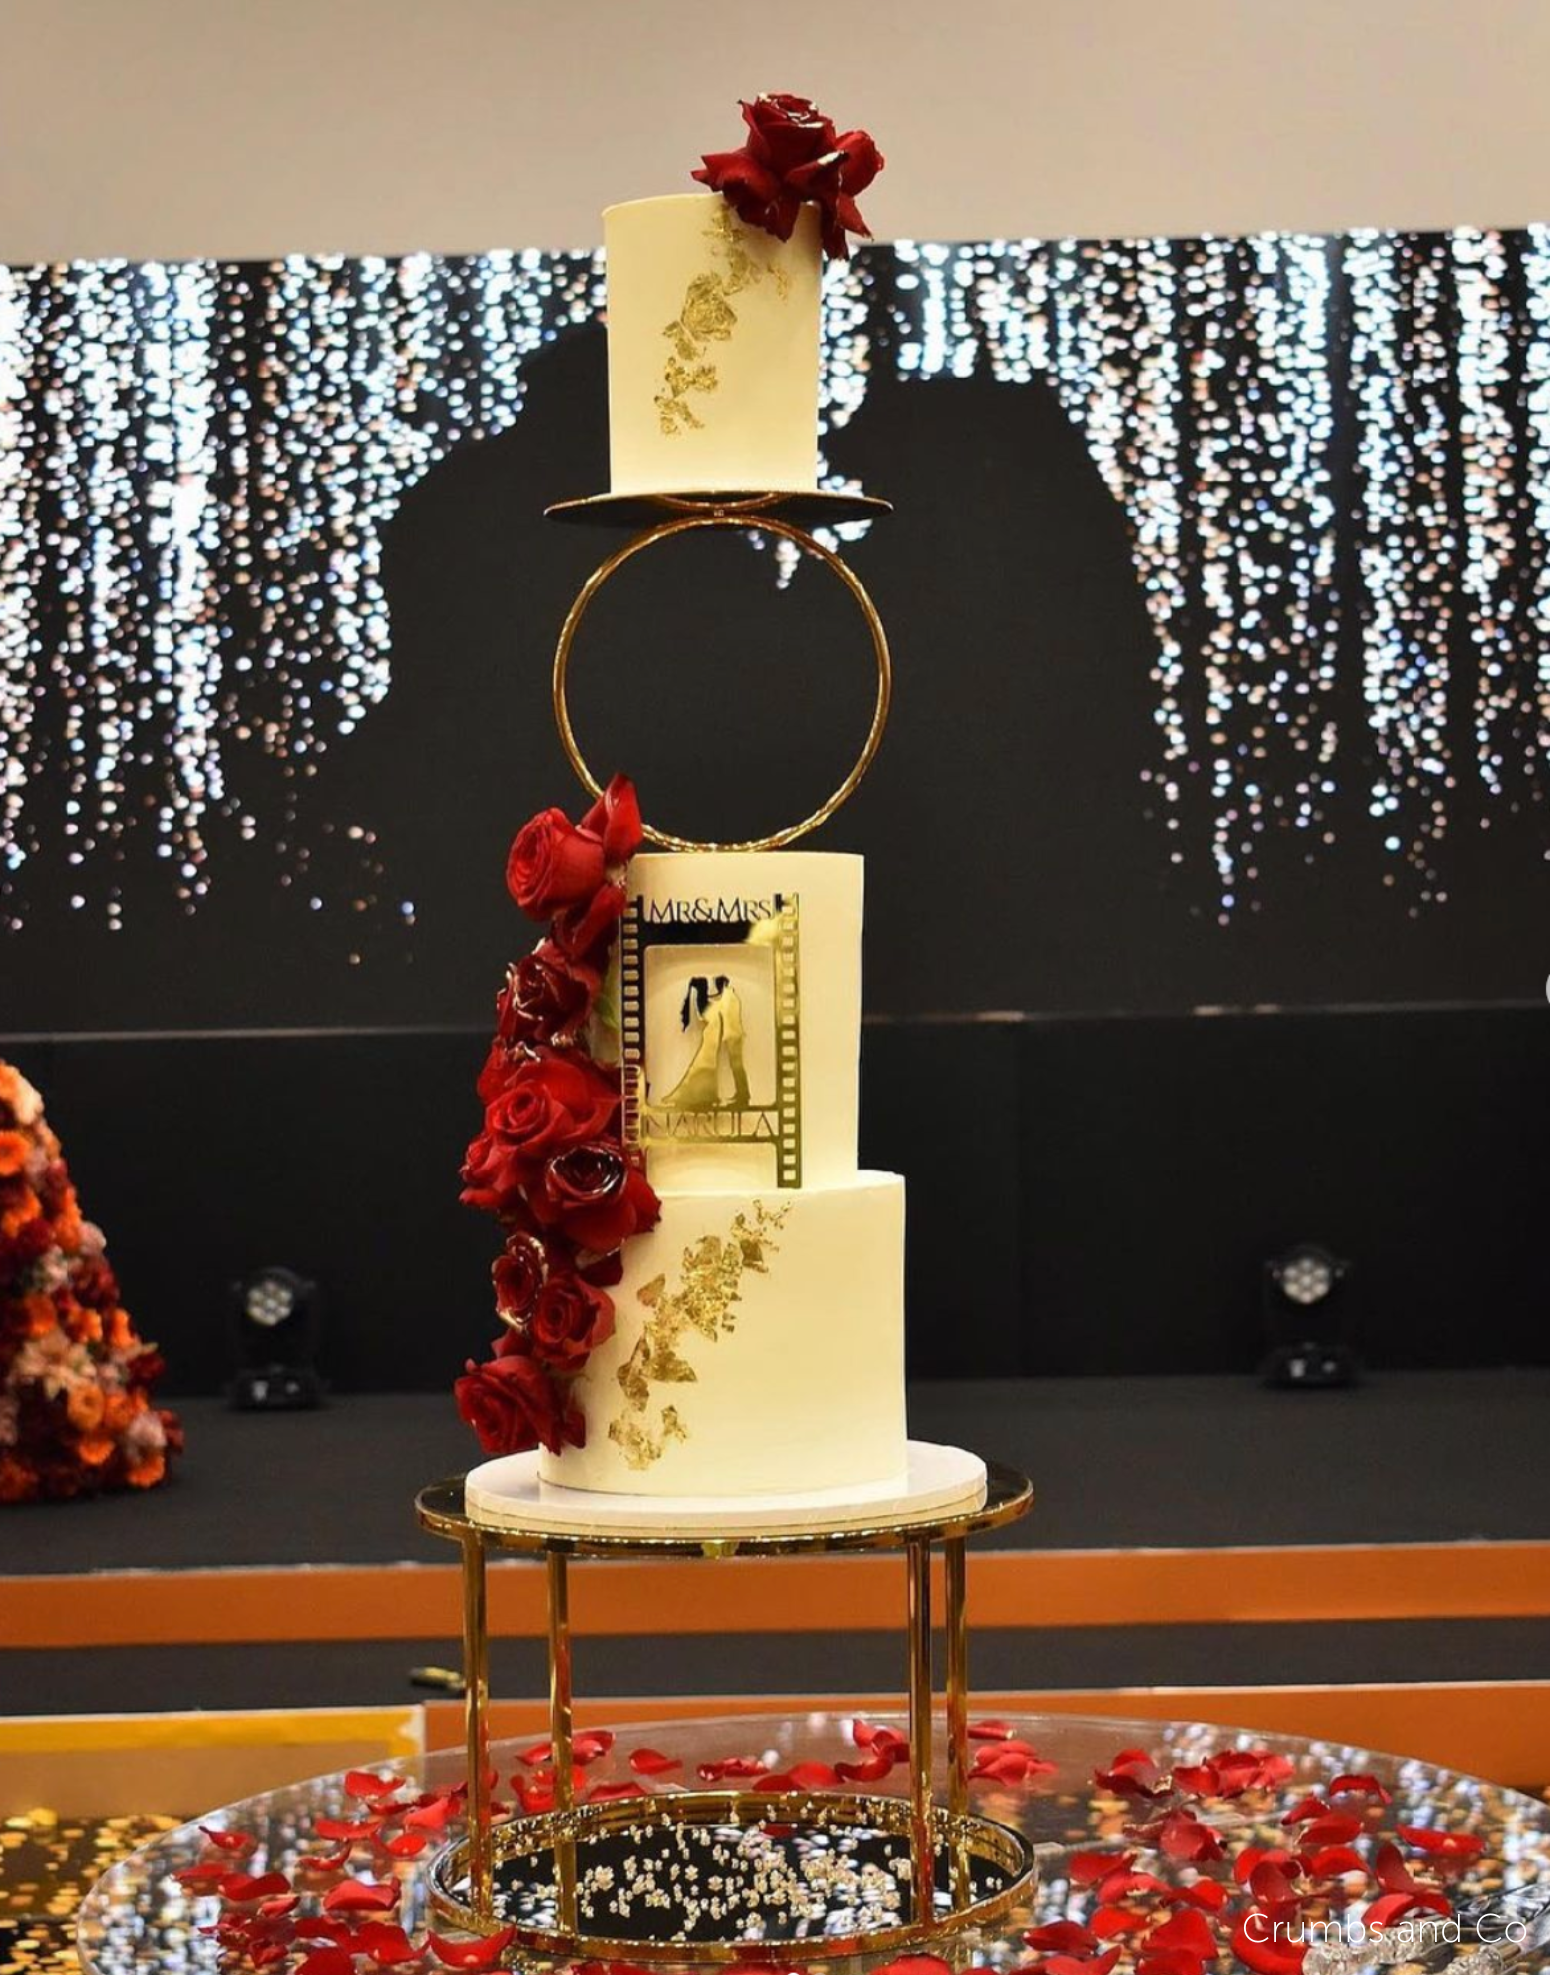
(758, 1348)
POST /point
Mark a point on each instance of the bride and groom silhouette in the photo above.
(718, 1011)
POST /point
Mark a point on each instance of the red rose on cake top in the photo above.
(793, 154)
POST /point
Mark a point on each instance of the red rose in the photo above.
(595, 1196)
(549, 1101)
(570, 1320)
(547, 996)
(794, 154)
(93, 1283)
(615, 819)
(584, 934)
(518, 1276)
(513, 1404)
(553, 864)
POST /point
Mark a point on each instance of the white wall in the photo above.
(238, 128)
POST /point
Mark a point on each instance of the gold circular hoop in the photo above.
(802, 540)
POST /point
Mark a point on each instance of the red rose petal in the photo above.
(333, 1861)
(240, 1887)
(1208, 1895)
(1188, 1930)
(478, 1954)
(1184, 1836)
(196, 1876)
(362, 1783)
(1086, 1868)
(1390, 1906)
(871, 1769)
(990, 1730)
(327, 1961)
(1080, 1964)
(1131, 1774)
(337, 1829)
(1168, 1961)
(652, 1762)
(1064, 1936)
(1334, 1828)
(362, 1896)
(1442, 1844)
(385, 1942)
(1258, 1947)
(434, 1815)
(1306, 1808)
(1361, 1784)
(406, 1844)
(724, 1766)
(1115, 1922)
(1335, 1862)
(279, 1907)
(230, 1841)
(1121, 1885)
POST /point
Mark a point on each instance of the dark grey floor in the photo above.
(1118, 1463)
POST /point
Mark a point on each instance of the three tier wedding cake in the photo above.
(702, 1296)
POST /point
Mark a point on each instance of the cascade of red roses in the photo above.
(76, 1415)
(550, 1163)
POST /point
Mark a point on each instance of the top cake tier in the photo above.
(713, 331)
(740, 1017)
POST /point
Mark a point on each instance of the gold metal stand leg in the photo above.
(922, 1851)
(560, 1733)
(476, 1683)
(957, 1707)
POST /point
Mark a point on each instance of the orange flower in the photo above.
(120, 1331)
(13, 1153)
(85, 1407)
(149, 1472)
(95, 1449)
(25, 1207)
(17, 1483)
(10, 1084)
(118, 1409)
(67, 1228)
(84, 1325)
(38, 1314)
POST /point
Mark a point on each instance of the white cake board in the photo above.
(509, 1494)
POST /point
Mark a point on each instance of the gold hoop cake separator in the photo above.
(808, 544)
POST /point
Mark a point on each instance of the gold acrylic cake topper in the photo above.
(731, 971)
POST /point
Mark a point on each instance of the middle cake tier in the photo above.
(758, 1348)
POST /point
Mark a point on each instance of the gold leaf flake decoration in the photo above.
(708, 317)
(703, 1300)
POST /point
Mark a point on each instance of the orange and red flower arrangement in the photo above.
(551, 1164)
(76, 1413)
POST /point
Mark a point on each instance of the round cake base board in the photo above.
(937, 1483)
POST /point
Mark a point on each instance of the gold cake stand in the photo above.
(987, 1865)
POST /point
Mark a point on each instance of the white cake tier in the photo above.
(740, 1004)
(712, 348)
(758, 1348)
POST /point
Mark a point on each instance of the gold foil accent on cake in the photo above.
(708, 317)
(705, 1299)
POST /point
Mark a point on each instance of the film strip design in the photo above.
(649, 1118)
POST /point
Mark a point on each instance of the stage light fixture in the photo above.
(1306, 1320)
(276, 1320)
